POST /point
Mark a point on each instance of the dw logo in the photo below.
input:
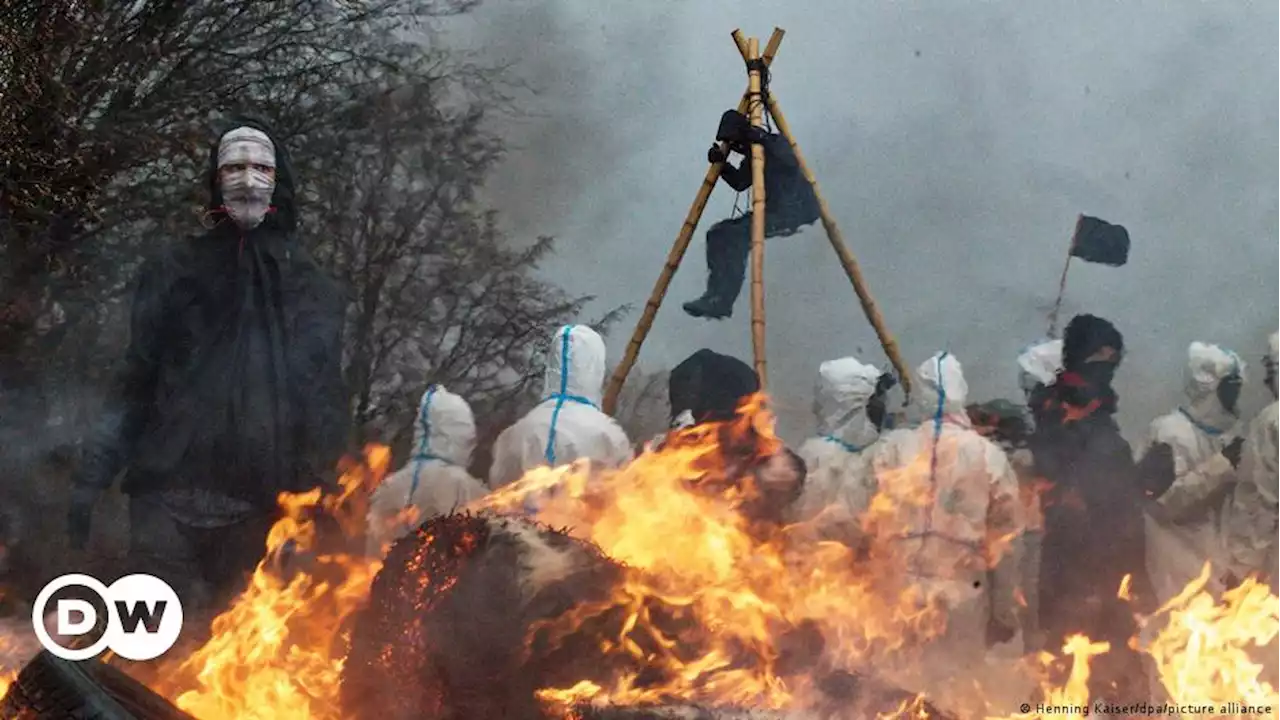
(144, 617)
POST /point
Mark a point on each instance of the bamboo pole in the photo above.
(757, 214)
(620, 373)
(847, 259)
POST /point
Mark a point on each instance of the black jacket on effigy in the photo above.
(1093, 517)
(789, 200)
(232, 380)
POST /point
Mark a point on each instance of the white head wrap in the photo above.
(246, 191)
(246, 146)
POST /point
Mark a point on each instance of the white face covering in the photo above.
(246, 175)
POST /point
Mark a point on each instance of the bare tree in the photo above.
(104, 108)
(438, 294)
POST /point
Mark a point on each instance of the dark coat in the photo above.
(232, 379)
(711, 386)
(1093, 515)
(789, 200)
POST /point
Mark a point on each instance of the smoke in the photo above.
(955, 143)
(562, 142)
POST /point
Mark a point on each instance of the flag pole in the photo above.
(1062, 282)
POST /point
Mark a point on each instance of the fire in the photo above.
(276, 654)
(1212, 653)
(719, 607)
(675, 518)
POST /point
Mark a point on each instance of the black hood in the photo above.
(284, 216)
(1086, 335)
(710, 385)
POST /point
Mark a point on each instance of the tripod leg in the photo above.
(620, 373)
(757, 220)
(619, 377)
(847, 259)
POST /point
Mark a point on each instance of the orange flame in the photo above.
(681, 518)
(698, 552)
(276, 654)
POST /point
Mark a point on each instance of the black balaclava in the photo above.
(1085, 335)
(877, 411)
(1229, 392)
(710, 386)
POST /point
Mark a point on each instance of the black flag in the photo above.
(1098, 241)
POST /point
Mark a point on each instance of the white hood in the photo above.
(843, 389)
(1039, 363)
(1207, 366)
(1274, 358)
(445, 428)
(942, 378)
(575, 365)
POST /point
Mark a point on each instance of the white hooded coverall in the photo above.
(840, 481)
(435, 481)
(1250, 518)
(1197, 432)
(953, 496)
(568, 424)
(1038, 364)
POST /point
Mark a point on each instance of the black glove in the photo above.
(1157, 471)
(716, 154)
(80, 516)
(1232, 452)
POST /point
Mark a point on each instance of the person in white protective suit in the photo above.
(435, 481)
(948, 514)
(1250, 518)
(1038, 365)
(840, 482)
(568, 424)
(1203, 437)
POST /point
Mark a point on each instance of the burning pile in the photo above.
(277, 653)
(666, 597)
(718, 608)
(448, 615)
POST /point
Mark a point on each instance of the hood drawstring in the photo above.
(423, 452)
(562, 396)
(848, 446)
(933, 455)
(225, 213)
(1206, 429)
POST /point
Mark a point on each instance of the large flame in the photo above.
(745, 590)
(277, 653)
(1212, 653)
(675, 518)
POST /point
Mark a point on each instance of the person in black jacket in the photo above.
(708, 387)
(790, 204)
(1093, 512)
(231, 389)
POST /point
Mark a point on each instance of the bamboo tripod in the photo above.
(755, 103)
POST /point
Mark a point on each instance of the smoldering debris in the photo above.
(476, 615)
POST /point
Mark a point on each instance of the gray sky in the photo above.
(955, 141)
